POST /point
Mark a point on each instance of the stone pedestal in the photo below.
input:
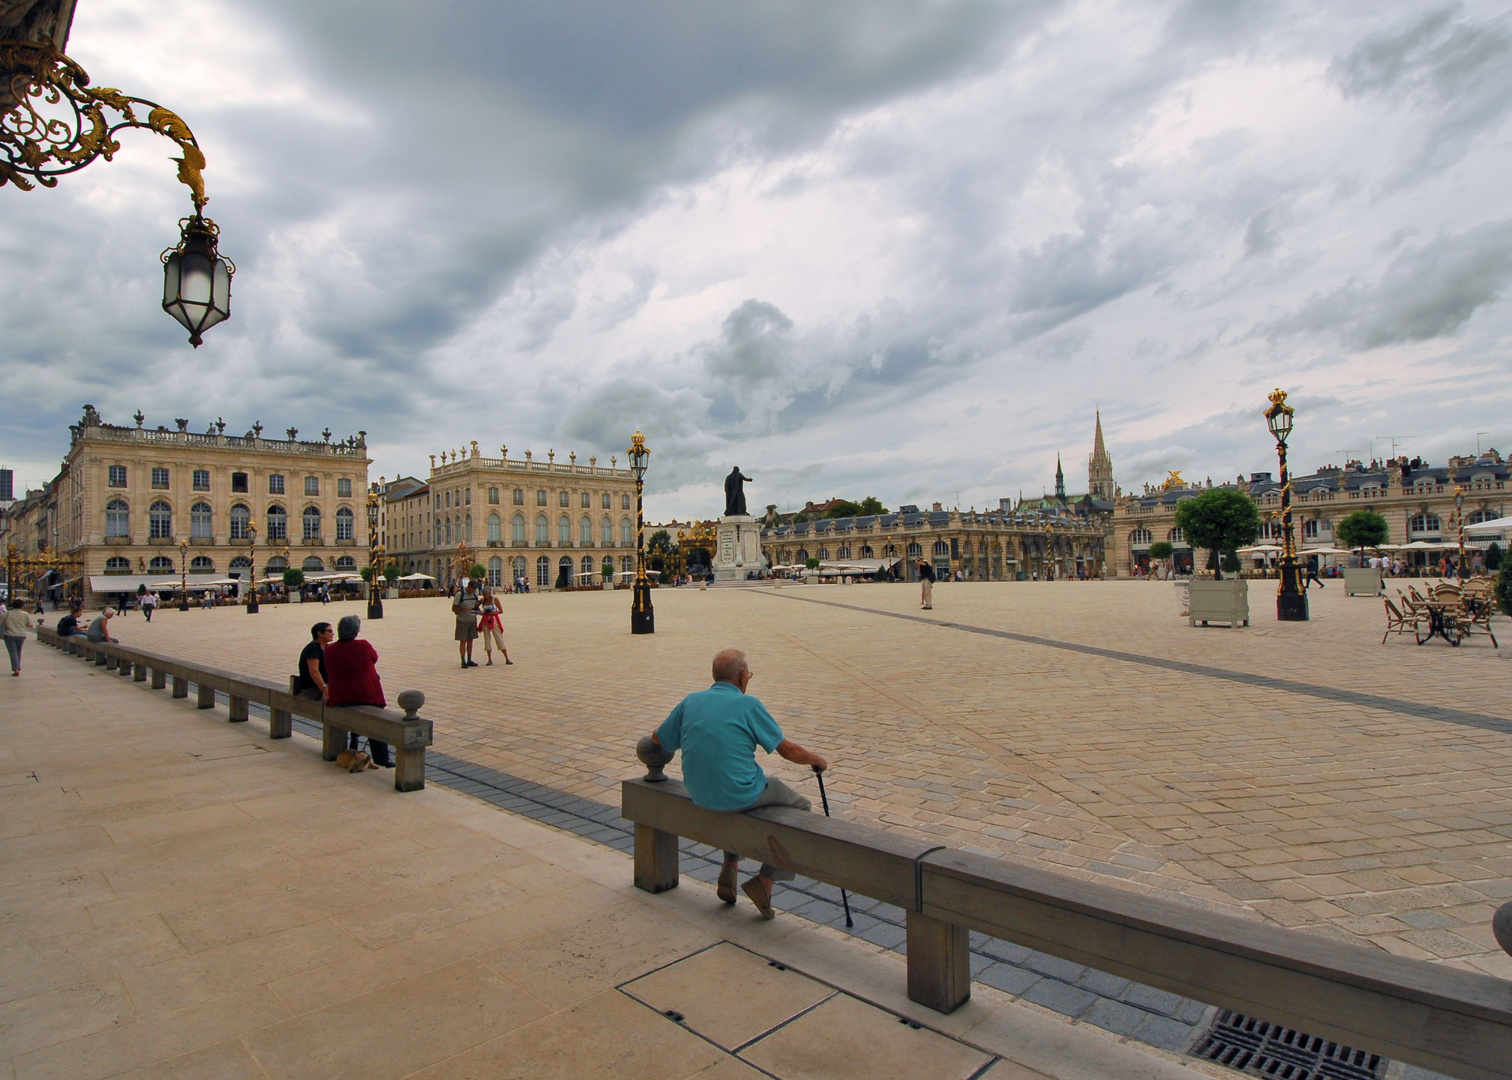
(737, 547)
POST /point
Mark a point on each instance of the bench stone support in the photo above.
(409, 768)
(101, 660)
(180, 685)
(939, 963)
(280, 723)
(159, 678)
(237, 710)
(333, 740)
(206, 698)
(139, 673)
(655, 859)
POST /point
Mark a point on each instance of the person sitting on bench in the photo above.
(718, 730)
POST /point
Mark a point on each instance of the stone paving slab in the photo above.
(1327, 782)
(183, 899)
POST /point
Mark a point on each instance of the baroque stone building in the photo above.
(545, 520)
(131, 504)
(1415, 498)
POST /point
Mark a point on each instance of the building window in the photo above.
(346, 562)
(867, 552)
(543, 530)
(802, 555)
(159, 478)
(1480, 516)
(585, 531)
(117, 476)
(518, 497)
(564, 570)
(312, 486)
(160, 564)
(940, 548)
(541, 498)
(495, 529)
(606, 532)
(241, 517)
(626, 564)
(914, 551)
(240, 564)
(844, 552)
(1178, 536)
(202, 564)
(823, 553)
(116, 564)
(517, 529)
(200, 521)
(564, 530)
(519, 568)
(586, 500)
(1426, 523)
(604, 501)
(564, 498)
(117, 518)
(587, 569)
(1143, 536)
(160, 521)
(543, 572)
(467, 496)
(467, 529)
(313, 565)
(493, 496)
(495, 571)
(346, 524)
(276, 565)
(238, 481)
(201, 480)
(627, 535)
(1310, 529)
(278, 523)
(448, 530)
(275, 484)
(344, 488)
(312, 523)
(624, 502)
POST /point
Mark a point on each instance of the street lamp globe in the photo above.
(196, 279)
(639, 455)
(1279, 416)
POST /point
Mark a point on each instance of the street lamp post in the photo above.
(642, 615)
(252, 568)
(184, 574)
(375, 556)
(1459, 517)
(1291, 598)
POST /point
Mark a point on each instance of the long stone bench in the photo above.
(408, 735)
(1425, 1014)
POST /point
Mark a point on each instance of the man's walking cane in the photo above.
(823, 798)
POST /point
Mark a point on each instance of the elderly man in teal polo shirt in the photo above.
(718, 730)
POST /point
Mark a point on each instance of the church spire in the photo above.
(1100, 466)
(1060, 480)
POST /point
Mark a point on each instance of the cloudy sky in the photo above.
(858, 247)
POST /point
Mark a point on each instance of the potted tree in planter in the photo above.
(1160, 551)
(1221, 520)
(607, 573)
(293, 578)
(812, 564)
(391, 576)
(1362, 529)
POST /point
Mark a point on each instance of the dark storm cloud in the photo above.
(1428, 292)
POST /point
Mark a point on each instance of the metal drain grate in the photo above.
(1270, 1050)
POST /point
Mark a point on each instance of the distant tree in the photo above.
(811, 562)
(844, 508)
(871, 505)
(1221, 520)
(293, 577)
(1494, 556)
(1161, 551)
(660, 543)
(1363, 529)
(1504, 587)
(800, 517)
(391, 573)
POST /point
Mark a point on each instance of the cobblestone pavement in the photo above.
(1305, 774)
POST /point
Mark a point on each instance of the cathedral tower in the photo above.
(1100, 467)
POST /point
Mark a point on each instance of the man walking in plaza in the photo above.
(718, 730)
(926, 585)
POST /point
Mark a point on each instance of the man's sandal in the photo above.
(760, 898)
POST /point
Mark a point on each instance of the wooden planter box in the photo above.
(1363, 581)
(1225, 601)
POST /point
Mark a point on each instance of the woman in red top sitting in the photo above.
(352, 678)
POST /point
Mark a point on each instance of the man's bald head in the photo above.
(728, 664)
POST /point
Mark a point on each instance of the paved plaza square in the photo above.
(1304, 774)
